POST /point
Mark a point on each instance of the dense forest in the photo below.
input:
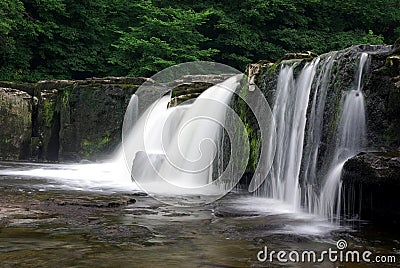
(71, 39)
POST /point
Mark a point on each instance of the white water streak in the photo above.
(350, 141)
(290, 115)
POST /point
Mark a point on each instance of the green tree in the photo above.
(251, 30)
(45, 39)
(16, 34)
(73, 40)
(162, 36)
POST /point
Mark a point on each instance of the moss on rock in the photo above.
(15, 123)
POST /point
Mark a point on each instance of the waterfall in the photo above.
(176, 146)
(132, 113)
(300, 111)
(169, 151)
(350, 140)
(314, 133)
(289, 114)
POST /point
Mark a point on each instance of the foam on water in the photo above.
(293, 221)
(108, 176)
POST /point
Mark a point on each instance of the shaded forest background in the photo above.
(74, 39)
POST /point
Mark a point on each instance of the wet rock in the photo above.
(133, 234)
(231, 213)
(302, 55)
(373, 168)
(396, 46)
(255, 70)
(207, 79)
(176, 214)
(143, 212)
(190, 87)
(89, 203)
(137, 194)
(374, 180)
(91, 119)
(68, 119)
(15, 123)
(382, 104)
(394, 62)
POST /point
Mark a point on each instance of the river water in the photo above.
(50, 217)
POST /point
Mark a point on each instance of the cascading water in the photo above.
(165, 146)
(299, 112)
(290, 116)
(350, 140)
(314, 133)
(177, 145)
(132, 113)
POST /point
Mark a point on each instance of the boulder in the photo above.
(371, 183)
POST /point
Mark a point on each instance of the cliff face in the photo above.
(382, 94)
(63, 120)
(74, 120)
(88, 118)
(15, 123)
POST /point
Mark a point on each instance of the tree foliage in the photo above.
(44, 39)
(161, 37)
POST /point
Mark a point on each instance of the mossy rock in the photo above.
(190, 88)
(15, 122)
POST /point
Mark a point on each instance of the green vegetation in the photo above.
(252, 129)
(90, 148)
(54, 39)
(49, 108)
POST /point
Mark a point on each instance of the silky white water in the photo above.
(175, 148)
(315, 133)
(349, 141)
(102, 177)
(296, 177)
(289, 113)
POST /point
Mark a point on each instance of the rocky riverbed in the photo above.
(47, 223)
